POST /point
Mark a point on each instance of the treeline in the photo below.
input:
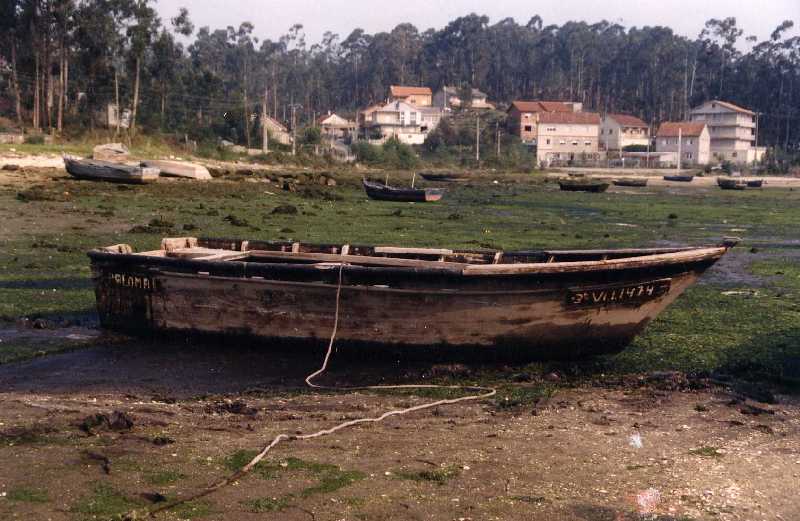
(63, 60)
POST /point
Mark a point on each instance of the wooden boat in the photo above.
(755, 183)
(729, 183)
(446, 177)
(534, 304)
(583, 185)
(679, 178)
(179, 169)
(94, 170)
(636, 182)
(389, 193)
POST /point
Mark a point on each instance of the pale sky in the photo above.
(273, 18)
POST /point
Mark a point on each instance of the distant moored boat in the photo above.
(389, 193)
(94, 170)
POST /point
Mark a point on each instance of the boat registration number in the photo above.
(617, 294)
(126, 280)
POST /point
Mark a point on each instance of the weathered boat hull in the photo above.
(583, 186)
(179, 169)
(388, 193)
(553, 314)
(94, 170)
(731, 184)
(679, 178)
(631, 182)
(755, 183)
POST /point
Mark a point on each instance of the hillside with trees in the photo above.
(63, 60)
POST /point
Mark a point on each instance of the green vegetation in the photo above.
(164, 477)
(330, 477)
(193, 509)
(514, 397)
(28, 495)
(104, 502)
(267, 504)
(440, 476)
(717, 325)
(706, 452)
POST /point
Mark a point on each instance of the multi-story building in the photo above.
(689, 138)
(419, 96)
(408, 123)
(618, 131)
(567, 136)
(523, 116)
(733, 131)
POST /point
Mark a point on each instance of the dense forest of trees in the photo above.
(62, 60)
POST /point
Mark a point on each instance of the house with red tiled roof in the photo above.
(733, 129)
(567, 136)
(523, 116)
(618, 131)
(419, 96)
(690, 139)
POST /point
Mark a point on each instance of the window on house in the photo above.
(587, 142)
(734, 154)
(691, 141)
(575, 143)
(528, 128)
(551, 129)
(548, 141)
(562, 142)
(688, 155)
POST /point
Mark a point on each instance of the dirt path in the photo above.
(571, 456)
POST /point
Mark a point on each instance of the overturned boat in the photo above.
(94, 170)
(535, 304)
(384, 192)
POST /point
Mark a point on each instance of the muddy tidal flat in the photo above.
(699, 419)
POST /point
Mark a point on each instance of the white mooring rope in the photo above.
(482, 392)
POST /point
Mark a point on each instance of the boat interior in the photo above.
(286, 252)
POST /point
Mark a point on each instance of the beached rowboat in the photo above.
(583, 185)
(730, 183)
(755, 183)
(679, 178)
(537, 304)
(390, 193)
(95, 170)
(636, 182)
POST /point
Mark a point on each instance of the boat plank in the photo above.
(356, 259)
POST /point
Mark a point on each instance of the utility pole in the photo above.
(497, 130)
(478, 139)
(264, 133)
(680, 144)
(294, 108)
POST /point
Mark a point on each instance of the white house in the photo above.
(733, 130)
(618, 131)
(692, 139)
(410, 124)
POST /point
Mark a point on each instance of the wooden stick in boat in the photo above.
(414, 178)
(357, 259)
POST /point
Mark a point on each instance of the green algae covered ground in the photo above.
(741, 318)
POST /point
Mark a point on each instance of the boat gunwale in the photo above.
(692, 255)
